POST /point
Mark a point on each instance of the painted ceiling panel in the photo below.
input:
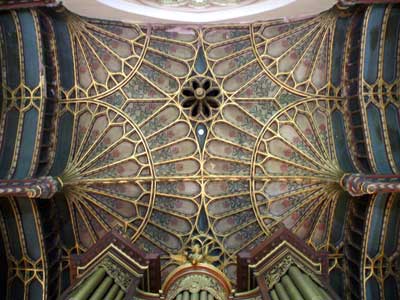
(204, 135)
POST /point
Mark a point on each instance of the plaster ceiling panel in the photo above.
(196, 11)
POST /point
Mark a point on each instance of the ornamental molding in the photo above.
(121, 276)
(273, 276)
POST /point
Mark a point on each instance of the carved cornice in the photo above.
(276, 273)
(116, 272)
(113, 246)
(270, 260)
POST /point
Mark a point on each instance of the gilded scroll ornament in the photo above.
(121, 277)
(274, 275)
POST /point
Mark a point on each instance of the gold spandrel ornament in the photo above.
(105, 57)
(277, 272)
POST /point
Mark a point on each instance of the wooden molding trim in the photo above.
(245, 259)
(126, 253)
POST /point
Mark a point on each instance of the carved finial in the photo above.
(196, 254)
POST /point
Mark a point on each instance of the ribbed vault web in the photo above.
(263, 96)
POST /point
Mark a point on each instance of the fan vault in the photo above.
(213, 136)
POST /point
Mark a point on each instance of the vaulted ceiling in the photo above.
(215, 133)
